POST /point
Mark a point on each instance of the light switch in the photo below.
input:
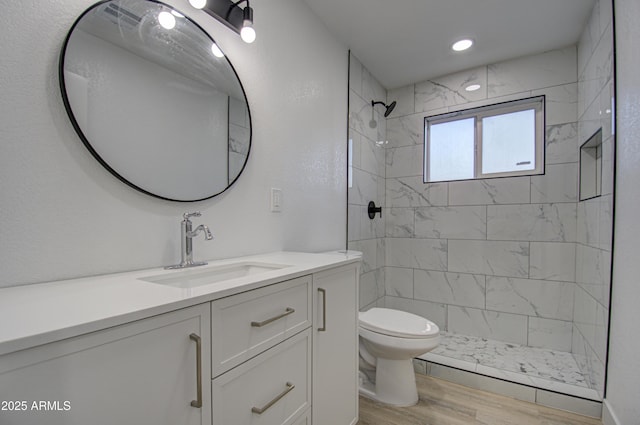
(276, 200)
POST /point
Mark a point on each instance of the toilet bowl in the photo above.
(389, 340)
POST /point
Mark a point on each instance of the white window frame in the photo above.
(537, 103)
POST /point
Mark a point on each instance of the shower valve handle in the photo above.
(372, 210)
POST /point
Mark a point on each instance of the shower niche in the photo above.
(591, 167)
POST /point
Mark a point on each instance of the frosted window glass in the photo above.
(509, 142)
(451, 150)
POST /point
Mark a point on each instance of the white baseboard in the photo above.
(608, 417)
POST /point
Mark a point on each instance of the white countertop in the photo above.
(38, 314)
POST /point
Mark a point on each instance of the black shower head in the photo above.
(389, 107)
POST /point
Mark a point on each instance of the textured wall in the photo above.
(62, 215)
(595, 218)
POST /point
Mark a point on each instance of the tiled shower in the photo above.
(518, 260)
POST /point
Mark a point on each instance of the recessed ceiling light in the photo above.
(167, 20)
(461, 45)
(472, 87)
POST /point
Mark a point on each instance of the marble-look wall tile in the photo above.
(360, 116)
(495, 258)
(371, 88)
(412, 192)
(372, 253)
(406, 130)
(365, 187)
(548, 69)
(550, 334)
(405, 161)
(487, 324)
(606, 222)
(355, 75)
(450, 90)
(588, 221)
(430, 254)
(398, 282)
(539, 298)
(371, 287)
(533, 222)
(584, 316)
(561, 103)
(399, 222)
(562, 143)
(354, 214)
(601, 332)
(372, 157)
(405, 100)
(467, 290)
(593, 272)
(552, 261)
(370, 229)
(468, 222)
(437, 313)
(355, 146)
(511, 190)
(559, 183)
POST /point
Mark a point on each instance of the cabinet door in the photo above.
(140, 373)
(335, 347)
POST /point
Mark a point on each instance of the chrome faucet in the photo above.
(187, 235)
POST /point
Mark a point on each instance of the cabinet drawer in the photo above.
(273, 388)
(247, 324)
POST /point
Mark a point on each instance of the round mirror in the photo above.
(155, 100)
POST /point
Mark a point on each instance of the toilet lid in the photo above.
(397, 323)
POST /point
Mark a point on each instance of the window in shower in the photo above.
(505, 139)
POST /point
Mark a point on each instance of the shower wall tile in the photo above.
(511, 190)
(354, 214)
(451, 222)
(552, 261)
(533, 222)
(561, 103)
(412, 192)
(407, 130)
(365, 187)
(593, 271)
(405, 101)
(487, 324)
(588, 222)
(399, 222)
(605, 218)
(562, 143)
(550, 334)
(372, 89)
(467, 290)
(398, 282)
(404, 161)
(494, 258)
(430, 254)
(371, 287)
(437, 313)
(450, 90)
(548, 69)
(360, 116)
(370, 229)
(538, 298)
(372, 157)
(355, 142)
(355, 75)
(558, 184)
(370, 254)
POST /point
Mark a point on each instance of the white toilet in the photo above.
(389, 340)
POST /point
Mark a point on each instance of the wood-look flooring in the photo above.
(446, 403)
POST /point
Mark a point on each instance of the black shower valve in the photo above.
(372, 210)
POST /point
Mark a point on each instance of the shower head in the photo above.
(389, 107)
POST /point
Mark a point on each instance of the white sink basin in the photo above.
(191, 278)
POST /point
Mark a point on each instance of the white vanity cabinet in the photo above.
(335, 346)
(144, 372)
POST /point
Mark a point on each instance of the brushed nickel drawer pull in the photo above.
(198, 403)
(323, 328)
(287, 312)
(261, 410)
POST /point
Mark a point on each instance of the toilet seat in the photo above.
(397, 323)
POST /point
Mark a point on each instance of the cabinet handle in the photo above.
(287, 312)
(323, 328)
(261, 410)
(198, 403)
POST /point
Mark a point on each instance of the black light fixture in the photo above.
(388, 107)
(230, 14)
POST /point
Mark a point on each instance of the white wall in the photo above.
(623, 381)
(62, 215)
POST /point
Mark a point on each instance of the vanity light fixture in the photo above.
(230, 14)
(167, 20)
(461, 45)
(472, 87)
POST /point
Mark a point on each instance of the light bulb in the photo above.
(247, 33)
(167, 20)
(461, 45)
(472, 87)
(216, 51)
(198, 4)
